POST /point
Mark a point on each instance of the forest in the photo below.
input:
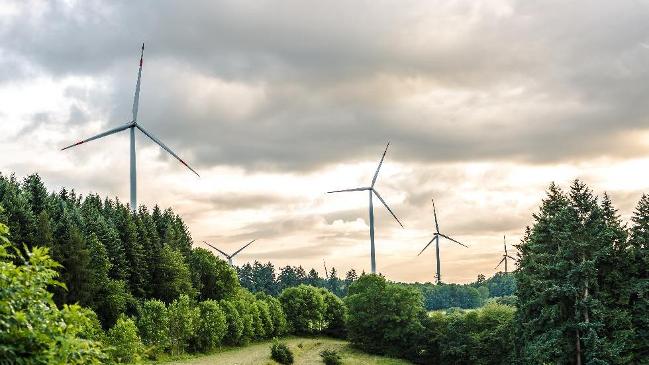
(85, 280)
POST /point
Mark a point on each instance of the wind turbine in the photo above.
(436, 237)
(132, 125)
(505, 256)
(230, 257)
(373, 191)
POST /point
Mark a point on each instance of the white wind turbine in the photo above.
(132, 125)
(505, 256)
(230, 257)
(436, 236)
(372, 191)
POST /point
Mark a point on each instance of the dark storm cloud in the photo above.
(331, 76)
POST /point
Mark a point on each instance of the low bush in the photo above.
(125, 344)
(235, 325)
(331, 357)
(183, 321)
(211, 327)
(281, 353)
(304, 307)
(153, 324)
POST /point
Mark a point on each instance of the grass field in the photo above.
(306, 351)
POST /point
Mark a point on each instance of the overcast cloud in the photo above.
(276, 102)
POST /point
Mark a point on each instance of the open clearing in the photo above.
(308, 353)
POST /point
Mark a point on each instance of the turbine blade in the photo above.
(376, 174)
(500, 263)
(435, 215)
(511, 258)
(165, 148)
(348, 190)
(386, 206)
(100, 135)
(222, 253)
(136, 98)
(428, 244)
(449, 238)
(241, 249)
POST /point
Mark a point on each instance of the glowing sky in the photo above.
(276, 102)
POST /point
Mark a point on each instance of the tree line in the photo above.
(582, 297)
(258, 277)
(112, 258)
(34, 330)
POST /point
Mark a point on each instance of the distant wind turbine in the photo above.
(230, 257)
(505, 256)
(436, 237)
(372, 191)
(132, 125)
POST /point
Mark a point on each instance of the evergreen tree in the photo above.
(639, 304)
(562, 297)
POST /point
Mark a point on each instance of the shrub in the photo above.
(266, 320)
(234, 331)
(213, 277)
(277, 315)
(183, 320)
(304, 308)
(281, 353)
(212, 326)
(243, 307)
(153, 324)
(124, 342)
(384, 318)
(334, 315)
(331, 357)
(257, 324)
(32, 329)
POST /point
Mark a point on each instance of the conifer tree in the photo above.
(639, 305)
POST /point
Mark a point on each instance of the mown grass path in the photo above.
(306, 351)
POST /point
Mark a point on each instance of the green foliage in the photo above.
(32, 329)
(501, 284)
(331, 357)
(334, 314)
(638, 255)
(235, 325)
(212, 326)
(174, 275)
(276, 314)
(384, 318)
(153, 325)
(261, 278)
(281, 353)
(573, 276)
(482, 337)
(213, 277)
(304, 308)
(125, 344)
(266, 320)
(184, 319)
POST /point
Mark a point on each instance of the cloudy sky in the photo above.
(275, 103)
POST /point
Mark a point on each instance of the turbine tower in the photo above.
(505, 256)
(132, 125)
(230, 257)
(436, 236)
(372, 191)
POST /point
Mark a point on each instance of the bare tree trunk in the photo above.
(578, 348)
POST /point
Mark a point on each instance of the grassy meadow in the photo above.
(306, 351)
